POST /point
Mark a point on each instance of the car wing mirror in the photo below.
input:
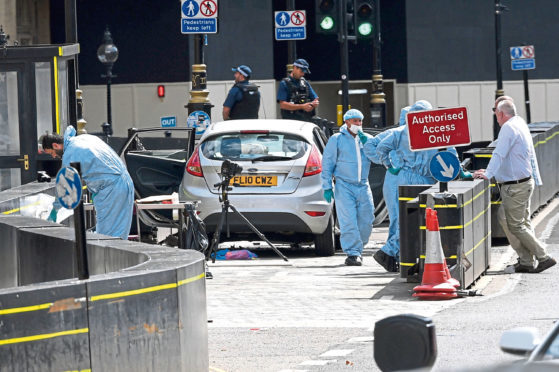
(519, 341)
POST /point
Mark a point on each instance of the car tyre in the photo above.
(324, 244)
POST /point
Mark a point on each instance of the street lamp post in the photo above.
(107, 53)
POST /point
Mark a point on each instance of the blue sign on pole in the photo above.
(68, 188)
(168, 122)
(444, 166)
(199, 16)
(291, 25)
(199, 120)
(523, 64)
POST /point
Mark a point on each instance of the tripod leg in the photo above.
(217, 233)
(257, 232)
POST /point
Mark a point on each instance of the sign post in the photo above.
(439, 129)
(524, 58)
(68, 192)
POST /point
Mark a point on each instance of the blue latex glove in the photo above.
(394, 171)
(362, 137)
(52, 215)
(466, 175)
(328, 195)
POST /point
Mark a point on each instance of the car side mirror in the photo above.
(519, 341)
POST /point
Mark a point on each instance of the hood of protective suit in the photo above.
(421, 105)
(403, 114)
(69, 133)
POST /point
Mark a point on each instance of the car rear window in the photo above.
(251, 146)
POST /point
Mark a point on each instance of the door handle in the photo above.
(25, 161)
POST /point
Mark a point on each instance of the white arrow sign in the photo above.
(447, 171)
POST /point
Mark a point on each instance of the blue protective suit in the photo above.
(414, 170)
(106, 178)
(390, 184)
(345, 159)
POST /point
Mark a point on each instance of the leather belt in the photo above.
(517, 181)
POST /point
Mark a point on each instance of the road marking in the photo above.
(358, 340)
(546, 233)
(317, 362)
(336, 353)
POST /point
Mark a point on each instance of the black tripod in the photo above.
(225, 206)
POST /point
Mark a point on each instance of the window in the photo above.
(250, 146)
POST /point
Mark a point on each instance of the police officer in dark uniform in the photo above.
(243, 100)
(296, 97)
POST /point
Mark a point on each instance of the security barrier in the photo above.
(464, 215)
(546, 143)
(143, 308)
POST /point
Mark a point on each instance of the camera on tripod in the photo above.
(230, 169)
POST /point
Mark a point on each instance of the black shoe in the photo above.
(544, 265)
(353, 261)
(518, 268)
(386, 261)
(395, 265)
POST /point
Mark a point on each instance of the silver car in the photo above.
(279, 189)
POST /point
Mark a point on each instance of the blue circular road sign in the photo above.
(68, 188)
(444, 166)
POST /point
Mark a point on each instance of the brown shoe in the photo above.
(544, 265)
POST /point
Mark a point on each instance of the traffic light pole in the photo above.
(378, 102)
(499, 92)
(344, 54)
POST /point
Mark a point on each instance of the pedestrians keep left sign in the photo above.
(199, 120)
(168, 121)
(291, 25)
(444, 166)
(68, 187)
(523, 57)
(199, 16)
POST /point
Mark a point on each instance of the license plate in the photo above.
(255, 180)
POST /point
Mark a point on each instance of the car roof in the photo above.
(301, 128)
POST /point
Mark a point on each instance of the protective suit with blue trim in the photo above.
(344, 158)
(106, 178)
(412, 169)
(390, 185)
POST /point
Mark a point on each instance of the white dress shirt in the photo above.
(514, 158)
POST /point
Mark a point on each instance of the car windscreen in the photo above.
(262, 146)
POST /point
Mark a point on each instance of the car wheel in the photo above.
(324, 244)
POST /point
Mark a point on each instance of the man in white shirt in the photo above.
(515, 168)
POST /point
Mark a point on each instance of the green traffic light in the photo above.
(327, 23)
(365, 29)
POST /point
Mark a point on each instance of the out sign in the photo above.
(168, 122)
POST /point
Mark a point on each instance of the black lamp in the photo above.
(107, 53)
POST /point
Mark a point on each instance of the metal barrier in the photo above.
(143, 308)
(464, 214)
(546, 143)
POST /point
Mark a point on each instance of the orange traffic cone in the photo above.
(436, 284)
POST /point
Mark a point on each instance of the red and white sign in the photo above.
(528, 51)
(298, 18)
(435, 129)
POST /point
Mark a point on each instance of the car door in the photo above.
(18, 128)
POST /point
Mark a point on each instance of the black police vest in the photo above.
(248, 106)
(298, 93)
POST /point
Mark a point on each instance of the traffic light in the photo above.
(326, 13)
(350, 20)
(365, 18)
